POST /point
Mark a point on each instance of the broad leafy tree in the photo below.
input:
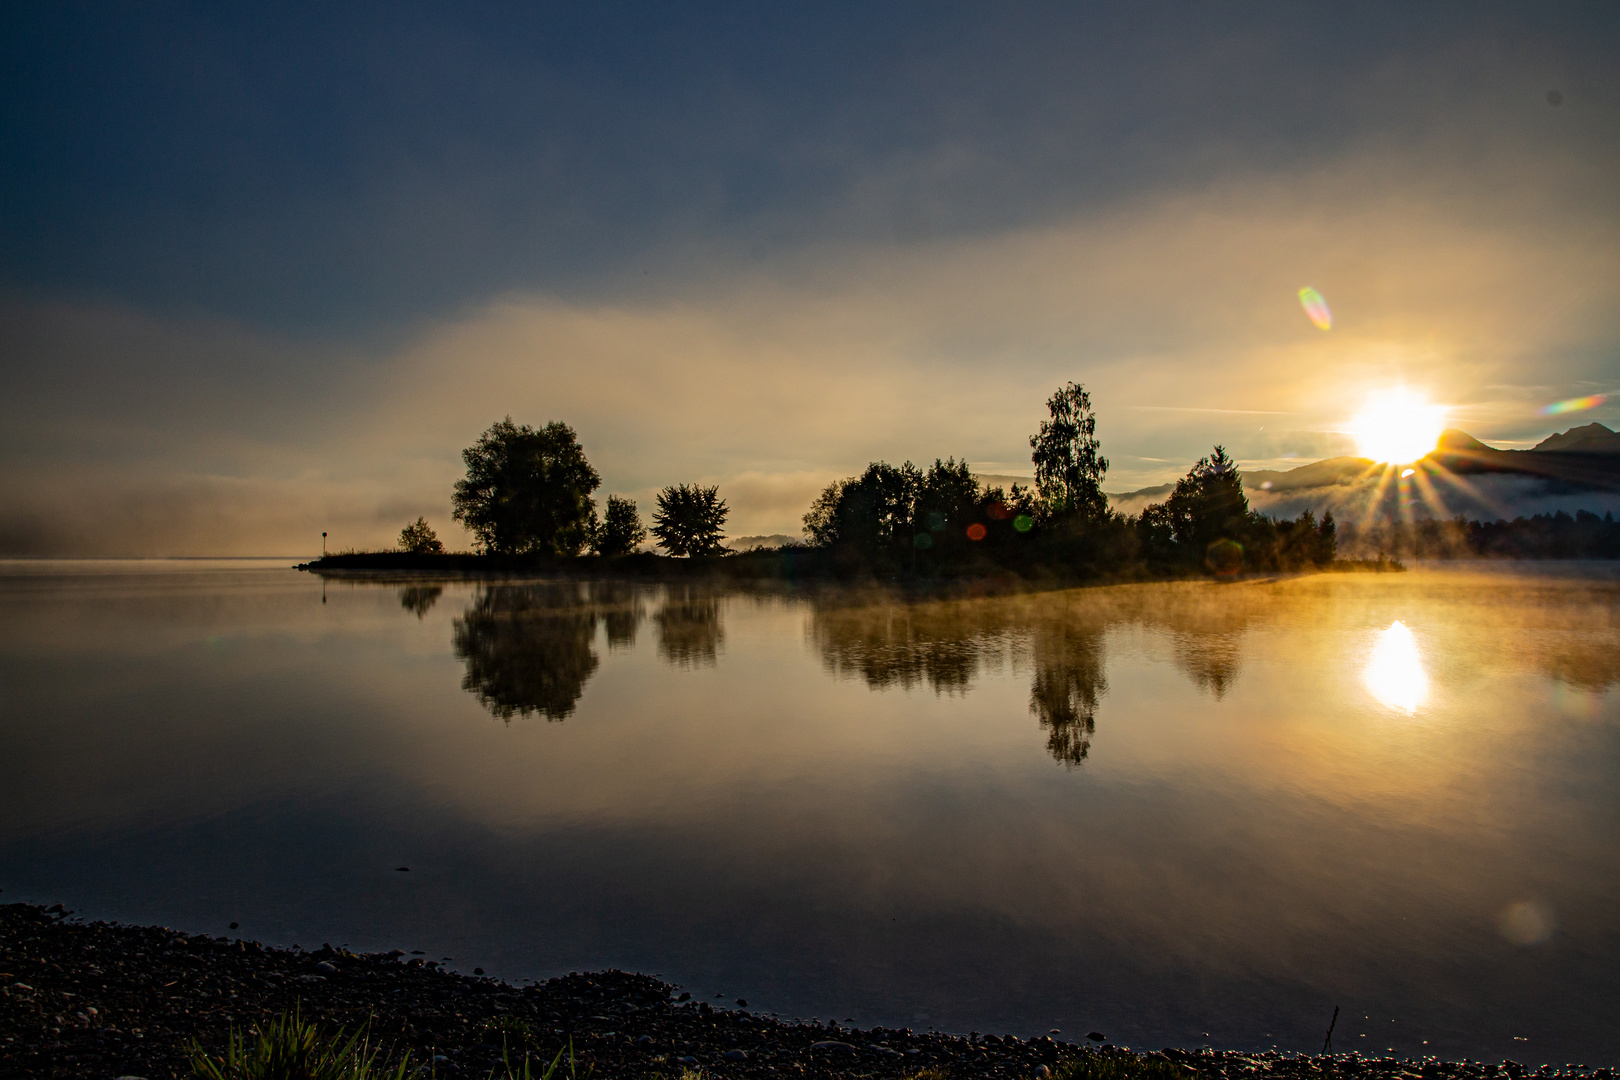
(870, 514)
(900, 515)
(418, 538)
(527, 491)
(690, 520)
(1069, 466)
(621, 531)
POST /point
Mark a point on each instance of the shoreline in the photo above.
(104, 999)
(784, 565)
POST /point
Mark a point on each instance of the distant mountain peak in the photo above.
(1590, 438)
(1454, 440)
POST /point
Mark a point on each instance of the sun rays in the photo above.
(1397, 426)
(1411, 472)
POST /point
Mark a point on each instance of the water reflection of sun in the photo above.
(1394, 672)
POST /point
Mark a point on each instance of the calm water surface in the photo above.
(1155, 811)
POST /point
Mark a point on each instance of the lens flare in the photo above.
(1395, 672)
(1315, 306)
(1397, 427)
(1526, 923)
(1575, 404)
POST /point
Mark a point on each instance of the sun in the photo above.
(1397, 427)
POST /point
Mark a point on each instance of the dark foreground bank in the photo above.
(101, 1000)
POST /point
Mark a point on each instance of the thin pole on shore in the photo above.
(323, 543)
(1327, 1043)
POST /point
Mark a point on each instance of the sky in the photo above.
(266, 270)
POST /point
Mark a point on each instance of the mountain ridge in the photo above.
(1573, 470)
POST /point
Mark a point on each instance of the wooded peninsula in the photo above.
(527, 498)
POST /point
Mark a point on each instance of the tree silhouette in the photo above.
(1208, 503)
(1068, 467)
(690, 519)
(869, 516)
(621, 531)
(418, 538)
(871, 512)
(527, 491)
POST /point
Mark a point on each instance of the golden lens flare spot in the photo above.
(1394, 673)
(1397, 427)
(1526, 923)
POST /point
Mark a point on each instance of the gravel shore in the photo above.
(101, 1000)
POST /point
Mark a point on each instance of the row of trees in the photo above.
(901, 517)
(528, 491)
(1543, 536)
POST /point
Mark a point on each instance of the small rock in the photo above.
(643, 1040)
(402, 869)
(687, 1059)
(1053, 1031)
(234, 926)
(735, 1055)
(1097, 1036)
(478, 971)
(1042, 1071)
(327, 966)
(832, 1044)
(743, 1002)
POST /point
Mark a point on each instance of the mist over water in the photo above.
(1154, 811)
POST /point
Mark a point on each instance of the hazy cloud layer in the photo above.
(247, 301)
(132, 434)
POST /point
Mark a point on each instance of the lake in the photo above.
(1177, 814)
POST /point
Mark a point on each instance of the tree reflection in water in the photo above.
(689, 630)
(529, 649)
(622, 612)
(1069, 682)
(419, 599)
(889, 640)
(1211, 659)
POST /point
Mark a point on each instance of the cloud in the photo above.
(133, 434)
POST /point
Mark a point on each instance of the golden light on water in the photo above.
(1397, 427)
(1395, 672)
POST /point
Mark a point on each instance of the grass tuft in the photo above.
(550, 1073)
(292, 1048)
(1107, 1066)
